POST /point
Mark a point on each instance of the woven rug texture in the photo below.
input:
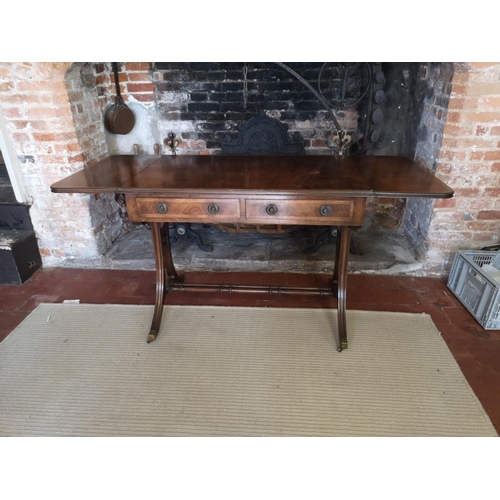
(86, 370)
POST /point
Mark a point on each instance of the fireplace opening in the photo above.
(329, 108)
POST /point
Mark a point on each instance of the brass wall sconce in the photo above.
(172, 142)
(341, 140)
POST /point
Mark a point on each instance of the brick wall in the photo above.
(469, 161)
(35, 103)
(106, 214)
(207, 101)
(203, 102)
(135, 82)
(433, 90)
(137, 91)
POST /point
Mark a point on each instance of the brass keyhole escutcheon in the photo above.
(325, 210)
(271, 209)
(213, 209)
(162, 208)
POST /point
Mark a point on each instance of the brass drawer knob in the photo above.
(162, 208)
(213, 209)
(271, 209)
(325, 210)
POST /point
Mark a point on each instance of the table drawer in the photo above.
(348, 211)
(182, 210)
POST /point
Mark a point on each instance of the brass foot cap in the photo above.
(343, 345)
(152, 335)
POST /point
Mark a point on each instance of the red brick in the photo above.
(448, 203)
(459, 88)
(77, 158)
(6, 86)
(456, 103)
(464, 103)
(482, 89)
(61, 124)
(460, 76)
(466, 169)
(454, 117)
(111, 89)
(485, 155)
(451, 129)
(495, 130)
(142, 76)
(480, 116)
(489, 215)
(475, 142)
(42, 86)
(140, 87)
(19, 124)
(122, 77)
(100, 79)
(12, 113)
(54, 98)
(45, 112)
(21, 137)
(481, 204)
(68, 136)
(475, 65)
(196, 144)
(452, 155)
(492, 192)
(137, 66)
(72, 147)
(495, 167)
(444, 168)
(491, 102)
(449, 142)
(480, 226)
(17, 99)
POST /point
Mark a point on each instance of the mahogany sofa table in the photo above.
(300, 190)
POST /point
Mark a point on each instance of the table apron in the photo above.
(326, 211)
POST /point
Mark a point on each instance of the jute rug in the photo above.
(86, 370)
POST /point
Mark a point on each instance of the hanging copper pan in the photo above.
(119, 118)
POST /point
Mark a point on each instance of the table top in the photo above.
(286, 175)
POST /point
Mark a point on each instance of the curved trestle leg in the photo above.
(340, 276)
(165, 272)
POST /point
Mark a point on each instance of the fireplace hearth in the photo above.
(380, 250)
(327, 108)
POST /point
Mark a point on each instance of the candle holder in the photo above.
(172, 142)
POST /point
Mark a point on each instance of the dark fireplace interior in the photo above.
(331, 108)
